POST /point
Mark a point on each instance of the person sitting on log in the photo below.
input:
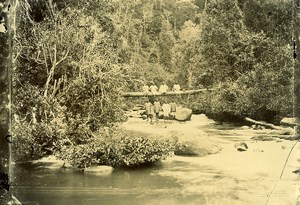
(163, 88)
(153, 89)
(176, 88)
(145, 89)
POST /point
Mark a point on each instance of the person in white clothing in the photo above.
(163, 88)
(167, 110)
(145, 89)
(176, 88)
(153, 89)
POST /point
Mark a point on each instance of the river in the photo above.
(228, 177)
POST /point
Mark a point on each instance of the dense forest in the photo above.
(74, 58)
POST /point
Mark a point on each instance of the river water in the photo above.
(229, 177)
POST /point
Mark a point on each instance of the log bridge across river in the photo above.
(183, 92)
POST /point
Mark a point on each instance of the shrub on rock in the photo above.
(120, 149)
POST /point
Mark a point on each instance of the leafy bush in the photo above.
(117, 149)
(35, 141)
(142, 150)
(39, 124)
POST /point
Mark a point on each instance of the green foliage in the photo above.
(75, 84)
(182, 11)
(117, 149)
(271, 17)
(39, 124)
(94, 95)
(220, 39)
(166, 43)
(142, 150)
(35, 140)
(252, 72)
(185, 51)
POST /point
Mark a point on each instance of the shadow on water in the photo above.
(36, 184)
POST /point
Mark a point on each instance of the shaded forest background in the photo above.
(73, 59)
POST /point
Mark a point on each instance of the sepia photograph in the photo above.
(150, 102)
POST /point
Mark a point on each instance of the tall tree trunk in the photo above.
(297, 65)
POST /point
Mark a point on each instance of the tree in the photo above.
(182, 11)
(220, 40)
(252, 70)
(186, 49)
(274, 18)
(74, 81)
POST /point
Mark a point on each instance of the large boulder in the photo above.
(183, 114)
(288, 121)
(191, 144)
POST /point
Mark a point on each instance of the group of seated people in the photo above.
(159, 110)
(162, 89)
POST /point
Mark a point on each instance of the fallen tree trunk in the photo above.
(142, 94)
(287, 131)
(264, 124)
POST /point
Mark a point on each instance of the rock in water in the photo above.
(245, 127)
(287, 131)
(187, 144)
(263, 138)
(241, 146)
(99, 170)
(49, 162)
(183, 114)
(297, 171)
(288, 121)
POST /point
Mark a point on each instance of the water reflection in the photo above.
(38, 185)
